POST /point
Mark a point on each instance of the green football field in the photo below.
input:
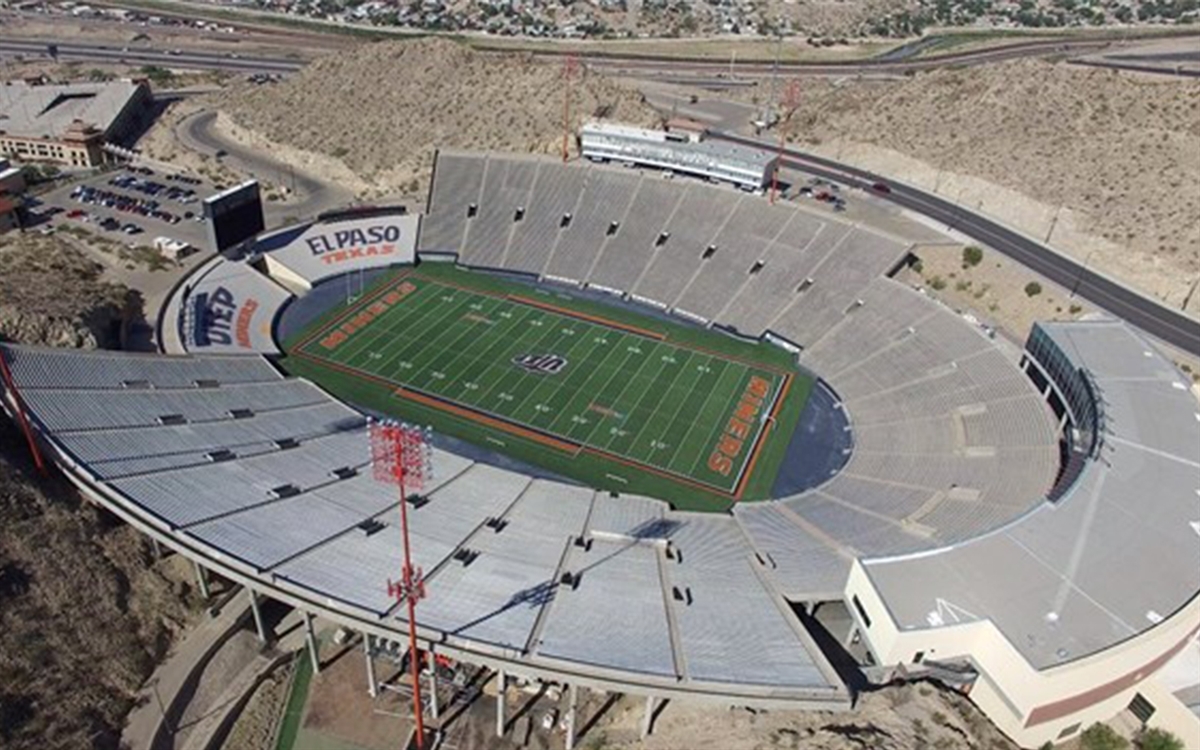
(622, 401)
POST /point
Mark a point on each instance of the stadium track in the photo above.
(1166, 324)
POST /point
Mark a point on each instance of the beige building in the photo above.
(69, 124)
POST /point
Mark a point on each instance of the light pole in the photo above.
(401, 455)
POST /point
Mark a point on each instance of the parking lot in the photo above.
(134, 206)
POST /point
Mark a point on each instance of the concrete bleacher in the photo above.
(555, 193)
(606, 199)
(456, 185)
(507, 186)
(624, 257)
(701, 213)
(731, 628)
(614, 616)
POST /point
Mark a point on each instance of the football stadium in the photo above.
(688, 444)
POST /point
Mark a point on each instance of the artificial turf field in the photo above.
(620, 401)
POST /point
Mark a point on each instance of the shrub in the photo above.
(937, 283)
(1159, 739)
(1033, 289)
(1102, 737)
(918, 266)
(972, 255)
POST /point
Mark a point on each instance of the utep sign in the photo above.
(380, 240)
(219, 320)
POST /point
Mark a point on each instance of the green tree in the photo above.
(1100, 736)
(1033, 289)
(972, 255)
(1159, 739)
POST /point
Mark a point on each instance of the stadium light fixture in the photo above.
(401, 455)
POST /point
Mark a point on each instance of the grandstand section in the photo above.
(1105, 567)
(1019, 523)
(301, 518)
(705, 252)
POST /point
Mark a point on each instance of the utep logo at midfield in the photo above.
(541, 364)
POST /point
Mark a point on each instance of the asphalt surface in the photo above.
(1167, 324)
(887, 64)
(311, 196)
(139, 55)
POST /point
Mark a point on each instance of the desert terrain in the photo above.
(1105, 164)
(373, 118)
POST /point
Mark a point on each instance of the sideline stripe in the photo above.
(499, 424)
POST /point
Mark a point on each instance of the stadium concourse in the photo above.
(990, 527)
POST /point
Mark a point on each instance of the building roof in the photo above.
(1114, 557)
(48, 111)
(652, 143)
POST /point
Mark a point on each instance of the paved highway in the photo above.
(600, 61)
(1165, 323)
(137, 55)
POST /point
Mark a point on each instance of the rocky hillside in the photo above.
(83, 618)
(52, 294)
(1104, 162)
(384, 108)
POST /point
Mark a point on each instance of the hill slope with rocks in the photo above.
(52, 294)
(384, 108)
(1106, 164)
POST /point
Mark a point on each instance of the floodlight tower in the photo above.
(791, 98)
(401, 455)
(570, 64)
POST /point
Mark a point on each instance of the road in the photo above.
(311, 196)
(617, 64)
(138, 55)
(1164, 323)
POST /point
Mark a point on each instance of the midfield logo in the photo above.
(541, 364)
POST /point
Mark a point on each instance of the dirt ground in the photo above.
(255, 725)
(1104, 164)
(339, 706)
(372, 118)
(995, 292)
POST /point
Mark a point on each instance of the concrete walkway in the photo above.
(164, 695)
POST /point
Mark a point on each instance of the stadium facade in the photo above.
(1019, 524)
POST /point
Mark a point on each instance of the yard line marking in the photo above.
(469, 329)
(742, 373)
(637, 376)
(510, 324)
(415, 320)
(703, 410)
(599, 369)
(633, 377)
(661, 399)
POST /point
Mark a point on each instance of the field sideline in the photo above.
(620, 401)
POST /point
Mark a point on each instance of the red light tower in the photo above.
(570, 63)
(401, 455)
(791, 99)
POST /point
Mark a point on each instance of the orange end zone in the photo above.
(354, 309)
(484, 419)
(762, 437)
(589, 318)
